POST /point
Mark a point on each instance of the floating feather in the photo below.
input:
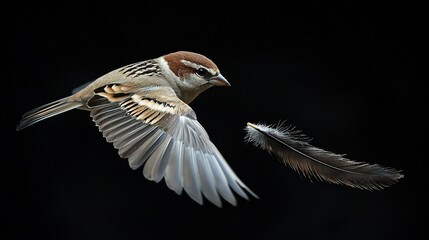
(292, 148)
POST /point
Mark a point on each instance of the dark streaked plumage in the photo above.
(293, 149)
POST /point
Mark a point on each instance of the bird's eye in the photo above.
(201, 72)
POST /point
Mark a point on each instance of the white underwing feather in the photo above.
(174, 170)
(221, 180)
(294, 150)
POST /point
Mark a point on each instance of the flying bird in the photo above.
(293, 149)
(142, 108)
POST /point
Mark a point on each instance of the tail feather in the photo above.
(46, 111)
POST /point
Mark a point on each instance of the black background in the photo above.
(349, 74)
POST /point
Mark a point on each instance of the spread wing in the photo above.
(154, 128)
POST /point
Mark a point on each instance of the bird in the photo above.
(143, 110)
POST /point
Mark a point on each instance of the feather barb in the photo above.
(293, 149)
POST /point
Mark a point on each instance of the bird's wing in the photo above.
(293, 149)
(154, 128)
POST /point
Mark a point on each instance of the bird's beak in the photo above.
(220, 81)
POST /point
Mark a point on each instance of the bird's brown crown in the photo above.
(176, 65)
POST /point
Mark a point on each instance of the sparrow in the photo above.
(143, 109)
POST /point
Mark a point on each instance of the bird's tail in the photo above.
(46, 111)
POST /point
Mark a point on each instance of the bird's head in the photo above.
(190, 73)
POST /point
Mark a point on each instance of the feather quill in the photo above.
(293, 149)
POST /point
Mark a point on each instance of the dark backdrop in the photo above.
(348, 74)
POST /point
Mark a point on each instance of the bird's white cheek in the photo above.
(170, 76)
(192, 80)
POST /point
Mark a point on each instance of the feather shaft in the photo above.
(294, 150)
